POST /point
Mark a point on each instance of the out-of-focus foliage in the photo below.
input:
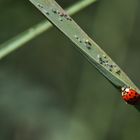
(48, 91)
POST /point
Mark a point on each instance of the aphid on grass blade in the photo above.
(61, 14)
(60, 19)
(100, 59)
(87, 42)
(111, 66)
(76, 36)
(40, 5)
(110, 69)
(46, 12)
(79, 40)
(58, 12)
(54, 11)
(118, 71)
(69, 18)
(130, 96)
(104, 56)
(88, 47)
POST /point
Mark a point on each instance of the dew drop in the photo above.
(98, 56)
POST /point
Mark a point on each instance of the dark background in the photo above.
(48, 90)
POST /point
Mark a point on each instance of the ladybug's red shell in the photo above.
(130, 96)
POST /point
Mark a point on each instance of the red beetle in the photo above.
(130, 96)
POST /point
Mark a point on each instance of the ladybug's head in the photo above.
(125, 90)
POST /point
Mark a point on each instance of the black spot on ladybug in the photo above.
(135, 97)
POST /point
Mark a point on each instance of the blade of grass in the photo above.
(18, 41)
(84, 43)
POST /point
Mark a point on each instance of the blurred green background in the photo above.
(48, 90)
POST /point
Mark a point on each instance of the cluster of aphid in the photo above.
(86, 42)
(111, 67)
(102, 60)
(62, 15)
(130, 96)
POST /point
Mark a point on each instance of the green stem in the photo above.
(19, 40)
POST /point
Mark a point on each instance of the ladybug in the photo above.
(130, 96)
